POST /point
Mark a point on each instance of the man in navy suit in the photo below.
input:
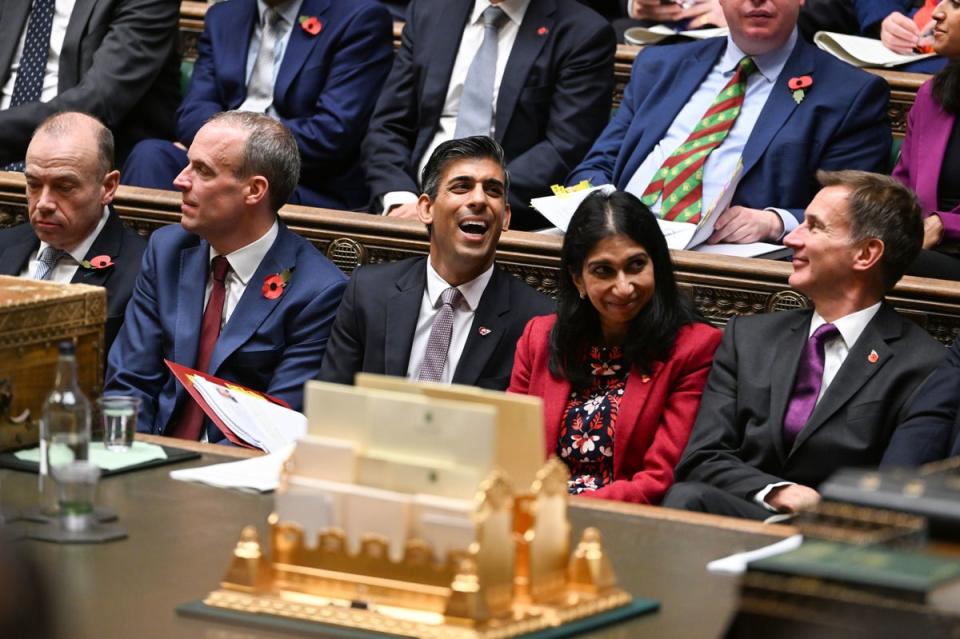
(273, 294)
(329, 61)
(552, 88)
(388, 321)
(802, 110)
(70, 185)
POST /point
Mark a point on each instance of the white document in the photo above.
(737, 564)
(255, 420)
(752, 249)
(863, 52)
(558, 209)
(261, 474)
(641, 36)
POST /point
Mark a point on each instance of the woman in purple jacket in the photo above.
(930, 158)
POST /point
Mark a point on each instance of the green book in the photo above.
(907, 576)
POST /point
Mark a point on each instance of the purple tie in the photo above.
(435, 357)
(806, 387)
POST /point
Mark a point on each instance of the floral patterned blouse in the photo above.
(589, 420)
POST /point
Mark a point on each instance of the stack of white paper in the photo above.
(863, 52)
(260, 474)
(255, 420)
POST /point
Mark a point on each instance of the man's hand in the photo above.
(899, 33)
(932, 231)
(705, 12)
(793, 498)
(740, 225)
(406, 211)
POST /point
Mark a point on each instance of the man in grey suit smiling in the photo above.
(793, 396)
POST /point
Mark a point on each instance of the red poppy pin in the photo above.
(542, 31)
(798, 85)
(873, 357)
(484, 331)
(274, 284)
(97, 263)
(311, 24)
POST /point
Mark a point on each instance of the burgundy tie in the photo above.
(806, 387)
(191, 416)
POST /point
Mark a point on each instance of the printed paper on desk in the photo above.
(255, 420)
(863, 52)
(558, 209)
(641, 36)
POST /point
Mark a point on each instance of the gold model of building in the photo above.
(517, 576)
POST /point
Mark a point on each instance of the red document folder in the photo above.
(182, 374)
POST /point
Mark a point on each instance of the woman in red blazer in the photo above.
(623, 363)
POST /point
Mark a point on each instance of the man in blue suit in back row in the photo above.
(794, 110)
(230, 291)
(319, 74)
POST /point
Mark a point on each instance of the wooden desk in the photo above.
(181, 536)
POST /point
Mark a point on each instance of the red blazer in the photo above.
(656, 412)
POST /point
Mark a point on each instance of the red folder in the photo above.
(182, 374)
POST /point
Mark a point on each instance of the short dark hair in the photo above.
(66, 121)
(475, 147)
(946, 87)
(880, 207)
(652, 332)
(270, 151)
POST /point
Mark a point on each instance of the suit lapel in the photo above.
(235, 44)
(675, 93)
(494, 305)
(299, 47)
(13, 20)
(14, 257)
(191, 285)
(556, 392)
(446, 42)
(628, 413)
(787, 350)
(531, 37)
(400, 322)
(780, 105)
(253, 308)
(106, 243)
(68, 75)
(857, 369)
(933, 139)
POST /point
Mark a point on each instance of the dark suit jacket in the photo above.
(119, 62)
(655, 415)
(840, 124)
(374, 329)
(929, 431)
(737, 442)
(125, 248)
(270, 345)
(553, 100)
(325, 91)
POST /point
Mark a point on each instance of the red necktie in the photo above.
(191, 416)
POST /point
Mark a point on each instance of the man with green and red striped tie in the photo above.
(762, 99)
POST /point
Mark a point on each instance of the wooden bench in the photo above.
(720, 286)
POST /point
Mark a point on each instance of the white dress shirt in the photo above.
(244, 262)
(61, 17)
(68, 264)
(835, 352)
(722, 163)
(290, 14)
(463, 314)
(469, 45)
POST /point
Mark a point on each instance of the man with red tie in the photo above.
(230, 291)
(793, 396)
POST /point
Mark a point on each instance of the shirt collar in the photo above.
(515, 10)
(79, 252)
(850, 326)
(288, 10)
(769, 65)
(472, 291)
(245, 261)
